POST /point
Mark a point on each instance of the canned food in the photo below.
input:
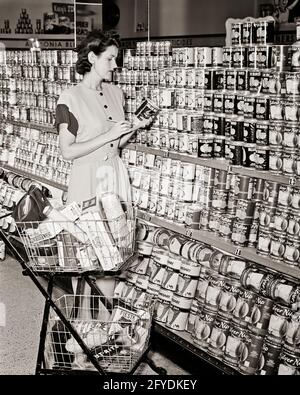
(260, 316)
(243, 308)
(252, 346)
(203, 328)
(291, 111)
(231, 80)
(218, 337)
(269, 358)
(289, 160)
(203, 56)
(275, 161)
(249, 33)
(277, 246)
(228, 298)
(249, 106)
(234, 345)
(289, 363)
(217, 56)
(292, 84)
(236, 33)
(227, 57)
(239, 57)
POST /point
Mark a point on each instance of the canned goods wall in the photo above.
(224, 304)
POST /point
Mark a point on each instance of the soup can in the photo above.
(260, 316)
(203, 327)
(248, 361)
(218, 337)
(234, 345)
(269, 358)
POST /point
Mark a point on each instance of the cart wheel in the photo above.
(155, 368)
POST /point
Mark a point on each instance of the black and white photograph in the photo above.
(149, 191)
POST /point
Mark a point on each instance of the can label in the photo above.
(269, 358)
(289, 364)
(251, 349)
(260, 316)
(234, 345)
(243, 308)
(278, 323)
(177, 318)
(231, 80)
(218, 337)
(203, 328)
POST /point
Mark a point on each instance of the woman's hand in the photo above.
(137, 124)
(118, 129)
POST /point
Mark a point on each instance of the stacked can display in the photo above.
(237, 313)
(244, 210)
(33, 82)
(239, 103)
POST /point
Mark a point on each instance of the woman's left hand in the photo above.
(137, 124)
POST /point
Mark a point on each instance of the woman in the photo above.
(282, 10)
(92, 127)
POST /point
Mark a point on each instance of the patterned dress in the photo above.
(88, 113)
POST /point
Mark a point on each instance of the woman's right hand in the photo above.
(119, 128)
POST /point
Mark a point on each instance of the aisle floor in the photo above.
(20, 327)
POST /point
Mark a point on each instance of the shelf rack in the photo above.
(184, 340)
(207, 237)
(218, 164)
(35, 177)
(32, 125)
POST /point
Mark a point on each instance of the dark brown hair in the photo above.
(96, 41)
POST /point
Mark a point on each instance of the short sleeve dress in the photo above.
(89, 113)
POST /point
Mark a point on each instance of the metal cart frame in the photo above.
(17, 249)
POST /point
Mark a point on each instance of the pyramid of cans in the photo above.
(33, 82)
(244, 316)
(249, 212)
(239, 103)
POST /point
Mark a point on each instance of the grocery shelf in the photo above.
(34, 177)
(218, 164)
(184, 340)
(32, 125)
(207, 237)
(221, 164)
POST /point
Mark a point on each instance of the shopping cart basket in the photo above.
(85, 333)
(117, 335)
(100, 246)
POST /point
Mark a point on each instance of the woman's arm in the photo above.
(71, 150)
(290, 7)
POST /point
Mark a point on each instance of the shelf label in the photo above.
(189, 233)
(146, 217)
(165, 154)
(238, 252)
(292, 181)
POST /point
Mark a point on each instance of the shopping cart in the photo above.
(85, 333)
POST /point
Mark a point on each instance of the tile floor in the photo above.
(20, 335)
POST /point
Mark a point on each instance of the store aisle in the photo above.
(19, 337)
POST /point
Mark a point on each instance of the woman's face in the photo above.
(283, 3)
(105, 63)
